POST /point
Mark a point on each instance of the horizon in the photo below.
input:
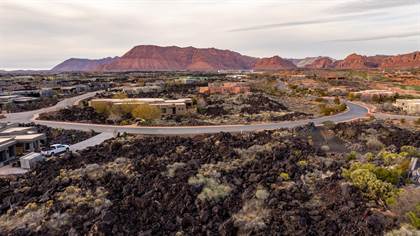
(47, 69)
(55, 31)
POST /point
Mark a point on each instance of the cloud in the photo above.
(367, 5)
(306, 22)
(379, 37)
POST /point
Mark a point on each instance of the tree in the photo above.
(145, 111)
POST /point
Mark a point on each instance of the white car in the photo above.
(56, 149)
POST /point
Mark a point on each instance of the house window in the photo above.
(163, 110)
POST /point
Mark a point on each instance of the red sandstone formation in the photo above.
(273, 63)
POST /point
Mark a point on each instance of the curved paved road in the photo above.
(354, 111)
(26, 117)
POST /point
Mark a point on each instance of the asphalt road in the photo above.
(26, 117)
(354, 111)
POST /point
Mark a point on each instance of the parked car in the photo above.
(56, 149)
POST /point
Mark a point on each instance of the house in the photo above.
(411, 106)
(26, 138)
(371, 94)
(7, 150)
(8, 100)
(166, 107)
(160, 83)
(225, 88)
(191, 80)
(141, 89)
(75, 89)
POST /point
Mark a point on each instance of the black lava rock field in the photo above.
(265, 183)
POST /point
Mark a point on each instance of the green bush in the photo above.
(352, 156)
(414, 217)
(371, 186)
(302, 163)
(411, 151)
(285, 176)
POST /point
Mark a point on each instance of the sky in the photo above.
(38, 34)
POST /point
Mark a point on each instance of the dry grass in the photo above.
(121, 166)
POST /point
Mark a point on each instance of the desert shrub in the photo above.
(212, 188)
(375, 182)
(352, 156)
(30, 217)
(302, 163)
(101, 107)
(145, 111)
(372, 143)
(369, 156)
(414, 217)
(325, 148)
(172, 168)
(353, 96)
(329, 124)
(392, 158)
(261, 194)
(252, 216)
(120, 95)
(327, 110)
(284, 176)
(319, 99)
(337, 100)
(73, 196)
(411, 151)
(407, 206)
(371, 186)
(121, 166)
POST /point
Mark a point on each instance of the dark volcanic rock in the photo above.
(125, 186)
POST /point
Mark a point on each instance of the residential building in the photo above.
(7, 150)
(191, 80)
(225, 88)
(26, 138)
(411, 106)
(167, 107)
(370, 94)
(141, 89)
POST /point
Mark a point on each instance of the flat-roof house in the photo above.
(141, 89)
(225, 88)
(167, 107)
(16, 130)
(369, 94)
(27, 140)
(411, 106)
(7, 150)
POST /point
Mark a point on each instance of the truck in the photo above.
(56, 149)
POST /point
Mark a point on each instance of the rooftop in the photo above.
(15, 129)
(29, 137)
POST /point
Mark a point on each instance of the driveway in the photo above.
(26, 117)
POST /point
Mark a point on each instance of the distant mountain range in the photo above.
(156, 58)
